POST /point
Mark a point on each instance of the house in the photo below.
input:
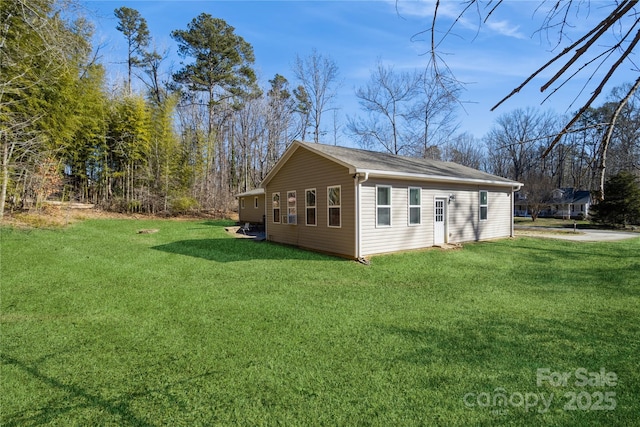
(570, 203)
(251, 206)
(567, 203)
(355, 203)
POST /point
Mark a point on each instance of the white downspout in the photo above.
(513, 206)
(357, 182)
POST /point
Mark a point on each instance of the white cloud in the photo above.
(453, 13)
(505, 28)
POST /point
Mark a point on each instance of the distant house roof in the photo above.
(390, 165)
(254, 192)
(573, 196)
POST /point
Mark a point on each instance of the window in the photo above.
(242, 203)
(255, 202)
(275, 204)
(484, 205)
(292, 214)
(333, 206)
(383, 206)
(310, 206)
(415, 206)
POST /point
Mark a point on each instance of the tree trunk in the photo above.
(5, 177)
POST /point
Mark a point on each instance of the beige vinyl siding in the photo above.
(249, 213)
(302, 171)
(463, 217)
(400, 236)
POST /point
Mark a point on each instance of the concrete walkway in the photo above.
(582, 235)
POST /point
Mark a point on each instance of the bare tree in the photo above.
(587, 54)
(435, 110)
(516, 137)
(538, 192)
(318, 75)
(386, 101)
(465, 150)
(280, 111)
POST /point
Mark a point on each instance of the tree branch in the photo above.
(595, 94)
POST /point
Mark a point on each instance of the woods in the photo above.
(169, 140)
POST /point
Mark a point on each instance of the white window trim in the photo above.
(480, 205)
(385, 206)
(295, 207)
(255, 202)
(314, 207)
(334, 206)
(276, 220)
(409, 206)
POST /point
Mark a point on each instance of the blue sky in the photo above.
(491, 59)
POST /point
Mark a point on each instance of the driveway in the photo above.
(582, 235)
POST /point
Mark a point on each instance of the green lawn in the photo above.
(189, 326)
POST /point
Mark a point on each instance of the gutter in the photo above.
(438, 178)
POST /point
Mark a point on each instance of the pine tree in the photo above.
(621, 205)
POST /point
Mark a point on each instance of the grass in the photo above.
(189, 326)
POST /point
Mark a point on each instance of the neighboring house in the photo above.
(563, 203)
(355, 203)
(569, 203)
(251, 206)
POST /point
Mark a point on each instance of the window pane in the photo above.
(414, 215)
(276, 200)
(384, 196)
(483, 197)
(334, 217)
(311, 198)
(311, 216)
(414, 196)
(384, 216)
(276, 215)
(334, 196)
(483, 212)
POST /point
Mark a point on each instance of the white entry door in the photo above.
(439, 218)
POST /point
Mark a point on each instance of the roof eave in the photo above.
(438, 178)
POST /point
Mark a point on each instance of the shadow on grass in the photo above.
(78, 398)
(489, 346)
(231, 250)
(49, 414)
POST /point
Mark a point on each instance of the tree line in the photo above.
(188, 140)
(163, 142)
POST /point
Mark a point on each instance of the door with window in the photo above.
(439, 218)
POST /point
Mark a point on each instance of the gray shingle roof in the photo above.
(254, 192)
(401, 166)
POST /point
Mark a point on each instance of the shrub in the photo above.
(182, 205)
